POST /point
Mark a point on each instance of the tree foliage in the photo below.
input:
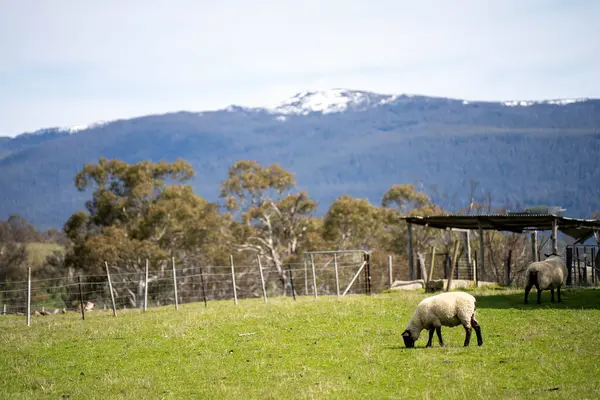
(134, 214)
(273, 219)
(352, 223)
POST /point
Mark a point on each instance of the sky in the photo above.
(73, 62)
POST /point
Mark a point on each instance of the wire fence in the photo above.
(156, 283)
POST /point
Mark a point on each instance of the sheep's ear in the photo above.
(406, 333)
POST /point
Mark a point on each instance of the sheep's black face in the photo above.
(408, 340)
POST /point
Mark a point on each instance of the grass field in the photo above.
(329, 348)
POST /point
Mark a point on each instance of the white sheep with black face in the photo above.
(549, 274)
(445, 309)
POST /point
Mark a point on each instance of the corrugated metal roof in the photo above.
(580, 229)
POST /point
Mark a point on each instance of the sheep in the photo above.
(544, 275)
(445, 309)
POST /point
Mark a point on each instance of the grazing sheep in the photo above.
(548, 274)
(445, 309)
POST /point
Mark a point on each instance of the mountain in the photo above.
(337, 141)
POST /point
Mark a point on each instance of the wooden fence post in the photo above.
(203, 289)
(534, 247)
(262, 279)
(146, 288)
(28, 318)
(305, 276)
(112, 295)
(481, 266)
(430, 275)
(292, 281)
(422, 268)
(337, 277)
(175, 284)
(507, 262)
(312, 263)
(390, 272)
(235, 300)
(454, 264)
(411, 263)
(470, 263)
(81, 298)
(555, 236)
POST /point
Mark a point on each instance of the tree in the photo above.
(273, 220)
(352, 223)
(123, 192)
(134, 215)
(17, 229)
(405, 200)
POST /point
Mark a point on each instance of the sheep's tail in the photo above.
(532, 277)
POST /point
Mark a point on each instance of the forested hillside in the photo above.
(520, 155)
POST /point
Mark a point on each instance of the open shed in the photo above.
(578, 229)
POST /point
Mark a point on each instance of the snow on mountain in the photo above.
(330, 101)
(324, 102)
(62, 130)
(340, 100)
(527, 103)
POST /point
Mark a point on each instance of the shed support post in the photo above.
(569, 262)
(411, 263)
(469, 257)
(481, 255)
(534, 246)
(554, 236)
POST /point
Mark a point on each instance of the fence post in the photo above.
(337, 277)
(430, 274)
(175, 283)
(422, 268)
(555, 236)
(292, 281)
(312, 263)
(28, 319)
(305, 276)
(203, 290)
(411, 263)
(569, 257)
(470, 264)
(453, 265)
(4, 310)
(146, 288)
(262, 278)
(390, 272)
(81, 298)
(112, 295)
(481, 264)
(534, 246)
(235, 300)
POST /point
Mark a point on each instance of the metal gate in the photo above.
(338, 272)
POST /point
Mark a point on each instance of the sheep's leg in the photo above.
(552, 295)
(539, 293)
(477, 328)
(467, 335)
(438, 330)
(527, 289)
(430, 337)
(558, 290)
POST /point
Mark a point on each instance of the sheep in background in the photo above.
(445, 309)
(545, 275)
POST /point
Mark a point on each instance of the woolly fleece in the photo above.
(445, 309)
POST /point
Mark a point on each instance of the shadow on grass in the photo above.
(403, 348)
(588, 299)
